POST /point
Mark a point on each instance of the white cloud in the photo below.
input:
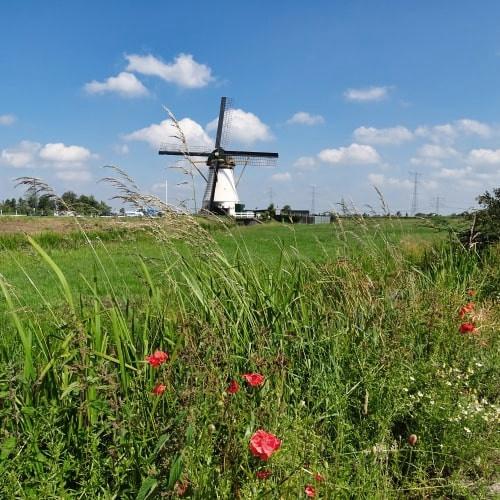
(391, 135)
(7, 119)
(304, 118)
(367, 94)
(24, 155)
(245, 127)
(305, 163)
(354, 154)
(381, 180)
(448, 132)
(184, 71)
(121, 149)
(124, 84)
(484, 156)
(82, 175)
(433, 155)
(454, 173)
(282, 177)
(474, 127)
(67, 162)
(438, 133)
(436, 151)
(60, 153)
(158, 133)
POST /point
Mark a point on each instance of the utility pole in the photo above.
(437, 205)
(414, 200)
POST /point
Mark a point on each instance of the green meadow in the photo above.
(369, 385)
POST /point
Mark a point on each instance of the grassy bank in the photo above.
(355, 329)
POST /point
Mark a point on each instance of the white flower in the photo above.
(467, 430)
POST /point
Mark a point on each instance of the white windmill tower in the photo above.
(220, 194)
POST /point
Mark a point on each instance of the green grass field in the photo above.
(355, 327)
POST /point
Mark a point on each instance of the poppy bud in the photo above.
(211, 428)
(412, 439)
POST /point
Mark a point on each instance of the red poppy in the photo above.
(469, 307)
(310, 491)
(262, 474)
(471, 293)
(263, 444)
(467, 328)
(159, 389)
(318, 477)
(181, 487)
(233, 387)
(412, 439)
(254, 379)
(157, 358)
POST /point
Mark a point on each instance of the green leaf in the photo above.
(8, 446)
(175, 472)
(147, 487)
(159, 445)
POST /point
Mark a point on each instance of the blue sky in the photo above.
(350, 93)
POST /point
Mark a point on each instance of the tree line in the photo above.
(33, 204)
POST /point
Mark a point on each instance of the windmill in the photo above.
(220, 194)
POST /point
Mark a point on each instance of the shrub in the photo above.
(485, 227)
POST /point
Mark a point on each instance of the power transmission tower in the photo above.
(414, 199)
(313, 199)
(270, 195)
(437, 205)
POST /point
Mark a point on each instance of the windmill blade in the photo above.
(226, 128)
(255, 158)
(256, 161)
(220, 122)
(178, 150)
(249, 154)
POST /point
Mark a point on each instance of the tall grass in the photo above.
(359, 351)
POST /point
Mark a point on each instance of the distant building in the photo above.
(133, 213)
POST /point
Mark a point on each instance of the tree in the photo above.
(485, 225)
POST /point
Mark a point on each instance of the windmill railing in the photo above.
(244, 215)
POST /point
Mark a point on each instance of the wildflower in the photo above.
(254, 379)
(467, 327)
(467, 430)
(263, 444)
(157, 358)
(412, 439)
(310, 491)
(181, 487)
(468, 308)
(211, 428)
(262, 474)
(159, 389)
(233, 387)
(471, 293)
(318, 477)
